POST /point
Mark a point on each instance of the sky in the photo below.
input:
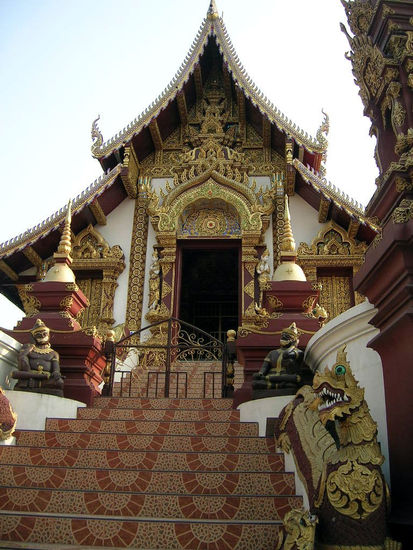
(64, 62)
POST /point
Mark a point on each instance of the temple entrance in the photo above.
(209, 289)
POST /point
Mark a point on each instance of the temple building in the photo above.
(197, 184)
(192, 205)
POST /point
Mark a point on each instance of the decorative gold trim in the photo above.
(404, 212)
(137, 264)
(91, 253)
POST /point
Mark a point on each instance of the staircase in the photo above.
(144, 473)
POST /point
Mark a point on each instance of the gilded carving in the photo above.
(31, 304)
(403, 185)
(354, 490)
(93, 255)
(332, 248)
(201, 221)
(359, 15)
(404, 212)
(66, 303)
(137, 263)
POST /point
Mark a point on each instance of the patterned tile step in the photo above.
(138, 533)
(151, 460)
(106, 503)
(163, 403)
(174, 427)
(197, 483)
(179, 443)
(161, 414)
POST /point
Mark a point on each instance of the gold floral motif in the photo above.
(137, 265)
(66, 303)
(403, 184)
(92, 254)
(404, 212)
(299, 530)
(31, 304)
(274, 302)
(209, 222)
(355, 490)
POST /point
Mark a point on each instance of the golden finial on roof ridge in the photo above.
(212, 10)
(287, 241)
(65, 244)
(60, 271)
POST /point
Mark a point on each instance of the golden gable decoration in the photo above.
(332, 248)
(97, 267)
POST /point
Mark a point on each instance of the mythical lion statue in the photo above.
(333, 438)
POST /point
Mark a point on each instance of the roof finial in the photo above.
(287, 242)
(65, 245)
(288, 270)
(212, 10)
(61, 271)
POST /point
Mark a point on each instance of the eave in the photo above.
(38, 243)
(344, 210)
(184, 90)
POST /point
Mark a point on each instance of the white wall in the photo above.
(33, 408)
(352, 328)
(304, 220)
(261, 181)
(9, 349)
(118, 230)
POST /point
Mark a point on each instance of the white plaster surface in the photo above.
(119, 231)
(9, 349)
(304, 220)
(33, 408)
(159, 183)
(258, 411)
(261, 181)
(352, 328)
(269, 244)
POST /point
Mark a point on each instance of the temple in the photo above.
(213, 210)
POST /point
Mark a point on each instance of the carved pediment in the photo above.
(89, 244)
(332, 240)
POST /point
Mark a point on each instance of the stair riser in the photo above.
(163, 403)
(33, 456)
(147, 505)
(178, 443)
(217, 483)
(165, 415)
(148, 427)
(139, 534)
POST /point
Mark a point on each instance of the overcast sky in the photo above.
(63, 62)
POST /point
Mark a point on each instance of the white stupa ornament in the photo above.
(60, 270)
(288, 270)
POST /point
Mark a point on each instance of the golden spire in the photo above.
(65, 245)
(288, 270)
(212, 10)
(60, 271)
(287, 241)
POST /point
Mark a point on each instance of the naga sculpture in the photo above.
(333, 439)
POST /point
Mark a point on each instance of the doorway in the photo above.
(209, 287)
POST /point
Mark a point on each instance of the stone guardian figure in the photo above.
(39, 368)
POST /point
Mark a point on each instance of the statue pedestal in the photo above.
(285, 302)
(82, 358)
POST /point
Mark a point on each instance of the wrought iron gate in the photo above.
(164, 349)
